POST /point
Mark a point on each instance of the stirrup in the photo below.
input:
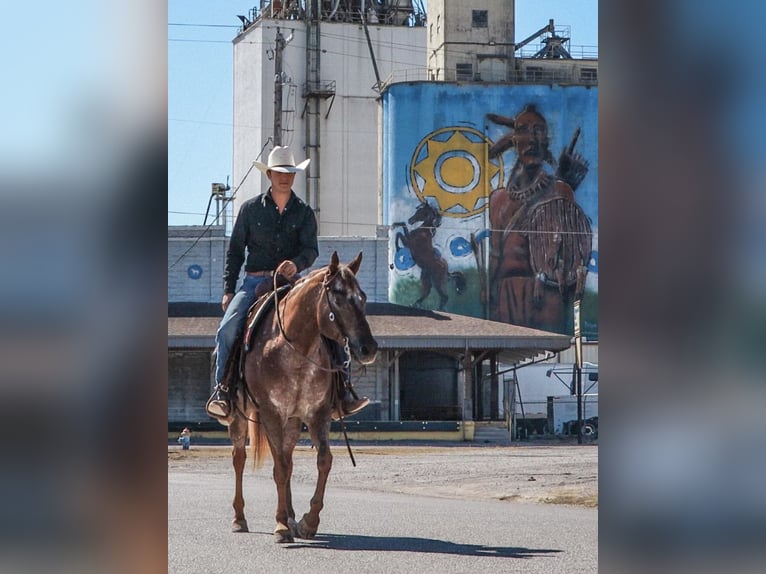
(346, 408)
(219, 403)
(353, 407)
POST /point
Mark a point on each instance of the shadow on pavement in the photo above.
(411, 544)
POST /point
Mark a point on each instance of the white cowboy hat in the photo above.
(281, 159)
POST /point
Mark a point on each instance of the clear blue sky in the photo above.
(200, 88)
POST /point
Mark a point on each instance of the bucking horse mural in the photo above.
(434, 270)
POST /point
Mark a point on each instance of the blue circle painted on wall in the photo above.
(460, 247)
(403, 259)
(593, 263)
(194, 271)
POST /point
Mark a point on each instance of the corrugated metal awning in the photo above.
(400, 327)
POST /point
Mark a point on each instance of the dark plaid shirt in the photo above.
(270, 237)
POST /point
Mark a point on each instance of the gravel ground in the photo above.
(551, 473)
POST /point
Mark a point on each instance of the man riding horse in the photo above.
(277, 229)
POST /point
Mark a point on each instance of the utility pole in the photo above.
(578, 368)
(278, 88)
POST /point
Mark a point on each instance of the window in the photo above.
(479, 18)
(589, 75)
(534, 74)
(464, 72)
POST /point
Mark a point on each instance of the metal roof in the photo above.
(399, 327)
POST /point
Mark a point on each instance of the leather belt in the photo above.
(260, 273)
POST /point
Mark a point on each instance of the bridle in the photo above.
(331, 316)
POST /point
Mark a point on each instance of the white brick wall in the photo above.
(195, 270)
(373, 274)
(208, 254)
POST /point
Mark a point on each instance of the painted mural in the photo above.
(491, 199)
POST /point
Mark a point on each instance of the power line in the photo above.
(199, 41)
(204, 25)
(185, 212)
(229, 200)
(227, 124)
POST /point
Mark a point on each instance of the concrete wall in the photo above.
(452, 39)
(581, 72)
(198, 275)
(373, 274)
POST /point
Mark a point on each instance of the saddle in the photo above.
(258, 310)
(266, 296)
(261, 307)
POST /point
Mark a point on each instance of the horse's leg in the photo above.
(320, 434)
(425, 287)
(282, 532)
(291, 436)
(439, 277)
(238, 435)
(443, 297)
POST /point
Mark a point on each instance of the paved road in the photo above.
(372, 532)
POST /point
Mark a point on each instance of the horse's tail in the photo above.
(258, 442)
(459, 279)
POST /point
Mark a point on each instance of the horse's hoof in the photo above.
(239, 526)
(283, 533)
(305, 531)
(283, 537)
(293, 526)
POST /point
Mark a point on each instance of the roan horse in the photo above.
(434, 270)
(288, 380)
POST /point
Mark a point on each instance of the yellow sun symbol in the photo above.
(452, 165)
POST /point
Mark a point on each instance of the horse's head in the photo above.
(343, 313)
(427, 214)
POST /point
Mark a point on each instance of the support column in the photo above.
(467, 386)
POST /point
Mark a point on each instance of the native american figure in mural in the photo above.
(541, 238)
(434, 271)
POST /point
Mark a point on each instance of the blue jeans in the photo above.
(233, 322)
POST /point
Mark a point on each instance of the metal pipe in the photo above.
(333, 10)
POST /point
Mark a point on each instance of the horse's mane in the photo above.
(314, 273)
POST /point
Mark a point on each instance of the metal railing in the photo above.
(526, 75)
(322, 88)
(578, 52)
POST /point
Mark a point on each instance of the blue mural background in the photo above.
(435, 142)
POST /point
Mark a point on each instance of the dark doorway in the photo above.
(428, 383)
(188, 385)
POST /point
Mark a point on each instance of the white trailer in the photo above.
(542, 395)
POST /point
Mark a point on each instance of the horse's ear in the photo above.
(334, 262)
(354, 265)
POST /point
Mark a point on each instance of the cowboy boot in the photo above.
(219, 404)
(350, 403)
